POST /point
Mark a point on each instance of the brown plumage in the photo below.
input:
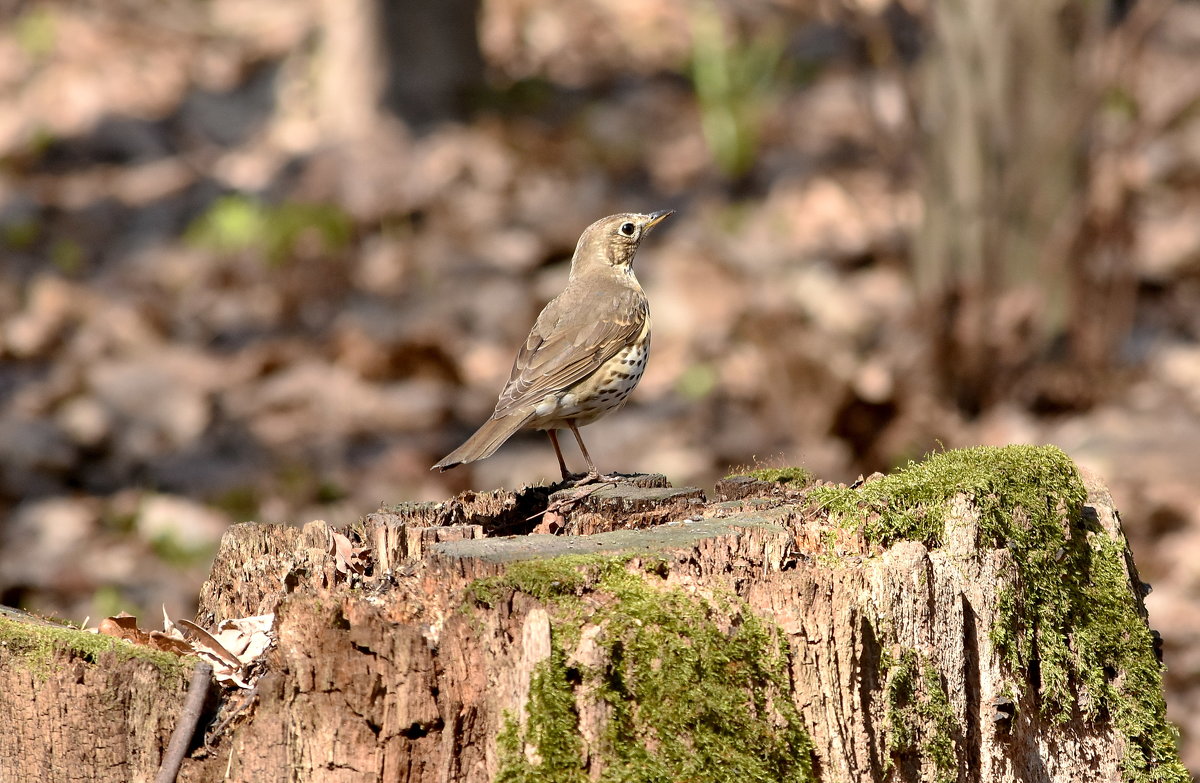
(585, 353)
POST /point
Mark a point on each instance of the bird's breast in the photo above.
(602, 392)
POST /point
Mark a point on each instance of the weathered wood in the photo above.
(395, 540)
(407, 686)
(416, 683)
(258, 564)
(435, 657)
(740, 487)
(625, 507)
(79, 708)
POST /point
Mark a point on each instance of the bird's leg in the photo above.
(593, 474)
(562, 464)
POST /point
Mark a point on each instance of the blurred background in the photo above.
(271, 259)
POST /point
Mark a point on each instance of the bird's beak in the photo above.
(658, 217)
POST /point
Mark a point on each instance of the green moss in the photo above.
(920, 722)
(695, 690)
(548, 579)
(898, 676)
(551, 729)
(1118, 663)
(912, 503)
(1069, 619)
(482, 592)
(510, 744)
(795, 477)
(35, 646)
(936, 710)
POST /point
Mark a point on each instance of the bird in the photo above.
(586, 351)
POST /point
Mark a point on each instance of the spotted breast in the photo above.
(603, 391)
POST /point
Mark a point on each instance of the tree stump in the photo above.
(973, 617)
(79, 707)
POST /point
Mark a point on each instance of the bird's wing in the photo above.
(569, 343)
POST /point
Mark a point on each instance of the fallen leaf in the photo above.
(124, 626)
(346, 557)
(205, 643)
(166, 643)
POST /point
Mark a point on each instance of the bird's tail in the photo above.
(485, 441)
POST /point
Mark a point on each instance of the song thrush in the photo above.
(586, 352)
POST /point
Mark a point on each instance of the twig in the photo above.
(181, 737)
(569, 502)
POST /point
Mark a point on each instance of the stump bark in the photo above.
(664, 636)
(77, 707)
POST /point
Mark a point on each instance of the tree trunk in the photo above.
(755, 637)
(1024, 258)
(419, 60)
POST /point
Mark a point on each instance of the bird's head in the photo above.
(613, 241)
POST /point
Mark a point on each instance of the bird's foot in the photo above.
(578, 479)
(595, 477)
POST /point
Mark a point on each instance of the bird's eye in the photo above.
(628, 228)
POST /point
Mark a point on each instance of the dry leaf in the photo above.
(206, 644)
(346, 557)
(166, 643)
(124, 626)
(236, 644)
(246, 637)
(168, 626)
(230, 649)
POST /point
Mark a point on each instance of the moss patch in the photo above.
(35, 646)
(694, 690)
(1069, 619)
(793, 477)
(920, 721)
(1117, 662)
(551, 729)
(1040, 482)
(549, 579)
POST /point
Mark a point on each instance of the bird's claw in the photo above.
(594, 477)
